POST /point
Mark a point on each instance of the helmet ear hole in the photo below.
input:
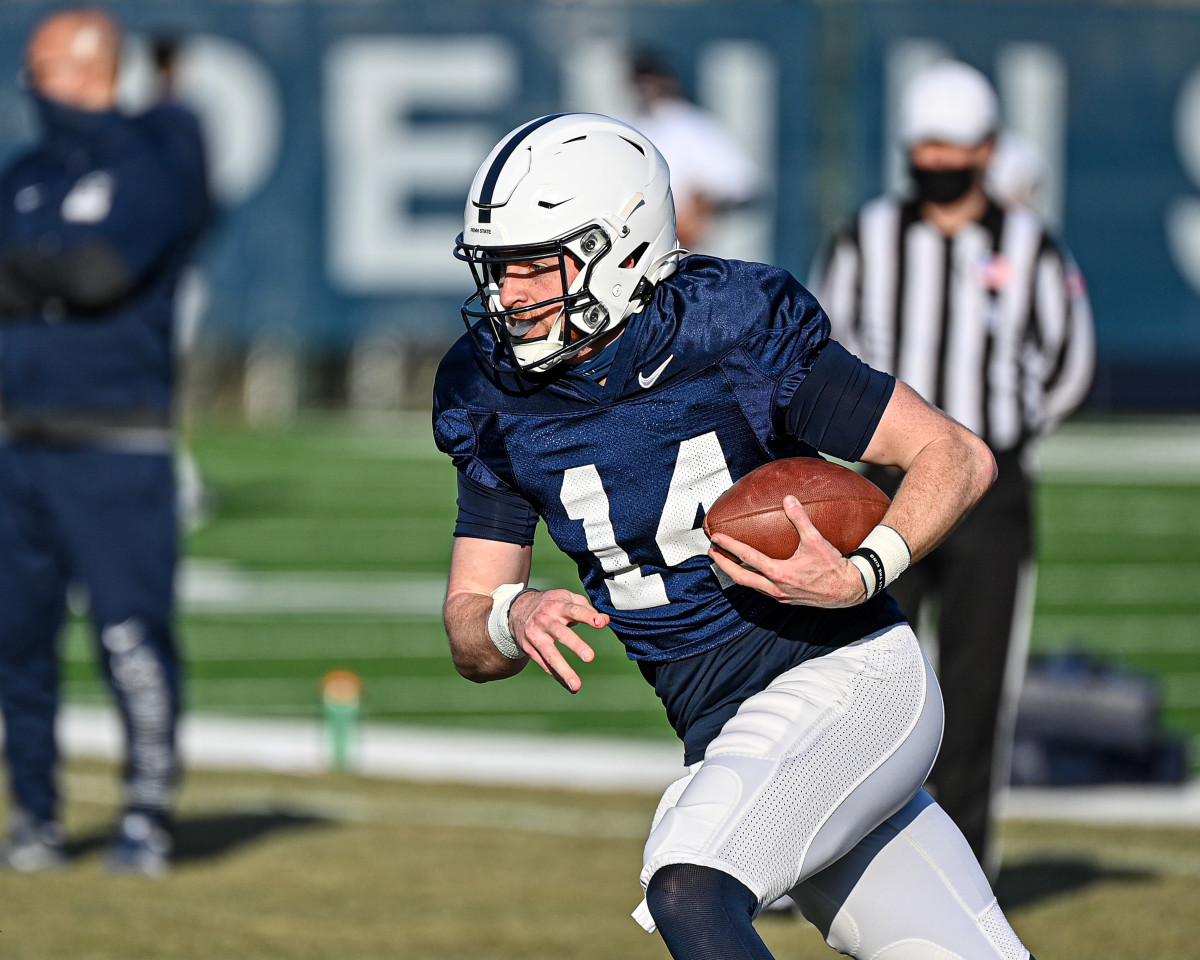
(631, 261)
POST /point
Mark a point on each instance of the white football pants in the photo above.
(814, 787)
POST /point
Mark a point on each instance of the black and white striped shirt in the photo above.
(992, 324)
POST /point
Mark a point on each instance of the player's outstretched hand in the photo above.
(816, 575)
(542, 619)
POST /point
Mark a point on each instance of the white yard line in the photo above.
(410, 753)
(1164, 450)
(207, 586)
(528, 760)
(1140, 805)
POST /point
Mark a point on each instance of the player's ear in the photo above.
(631, 261)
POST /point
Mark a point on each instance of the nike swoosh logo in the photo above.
(647, 382)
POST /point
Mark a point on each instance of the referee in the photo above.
(985, 314)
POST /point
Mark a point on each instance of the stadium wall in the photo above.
(343, 137)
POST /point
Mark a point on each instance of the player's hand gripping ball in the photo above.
(843, 505)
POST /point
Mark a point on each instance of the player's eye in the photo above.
(531, 268)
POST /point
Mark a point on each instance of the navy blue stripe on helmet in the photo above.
(489, 182)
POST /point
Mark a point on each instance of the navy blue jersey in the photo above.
(700, 393)
(99, 182)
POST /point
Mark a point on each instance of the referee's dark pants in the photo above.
(974, 593)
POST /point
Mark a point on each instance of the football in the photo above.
(843, 505)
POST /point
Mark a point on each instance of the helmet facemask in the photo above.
(581, 318)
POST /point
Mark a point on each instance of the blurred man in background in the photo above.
(985, 315)
(177, 127)
(96, 222)
(710, 173)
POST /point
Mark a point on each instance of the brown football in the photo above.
(842, 504)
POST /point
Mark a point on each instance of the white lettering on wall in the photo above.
(1183, 212)
(381, 158)
(1032, 81)
(235, 96)
(739, 82)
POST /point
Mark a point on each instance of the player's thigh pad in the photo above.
(911, 890)
(806, 768)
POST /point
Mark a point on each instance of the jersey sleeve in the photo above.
(489, 513)
(790, 374)
(838, 405)
(823, 395)
(787, 327)
(488, 508)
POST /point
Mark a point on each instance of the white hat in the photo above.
(950, 102)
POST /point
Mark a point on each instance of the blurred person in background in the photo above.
(96, 222)
(985, 314)
(710, 173)
(170, 121)
(178, 129)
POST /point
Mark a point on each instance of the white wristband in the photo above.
(499, 629)
(881, 558)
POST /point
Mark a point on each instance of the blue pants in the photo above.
(106, 520)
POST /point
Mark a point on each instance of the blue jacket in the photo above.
(96, 223)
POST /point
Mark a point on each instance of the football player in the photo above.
(614, 387)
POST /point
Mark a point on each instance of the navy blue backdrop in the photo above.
(344, 136)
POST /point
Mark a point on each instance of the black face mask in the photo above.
(942, 186)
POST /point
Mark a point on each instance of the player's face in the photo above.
(530, 282)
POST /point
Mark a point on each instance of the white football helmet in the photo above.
(575, 185)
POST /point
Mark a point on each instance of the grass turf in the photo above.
(335, 866)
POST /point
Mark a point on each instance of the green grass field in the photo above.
(340, 533)
(317, 868)
(327, 549)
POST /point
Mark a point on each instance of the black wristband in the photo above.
(876, 564)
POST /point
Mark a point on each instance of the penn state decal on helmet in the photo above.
(579, 187)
